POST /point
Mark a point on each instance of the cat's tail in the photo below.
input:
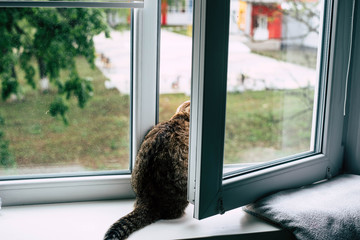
(137, 219)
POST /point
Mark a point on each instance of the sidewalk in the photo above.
(246, 71)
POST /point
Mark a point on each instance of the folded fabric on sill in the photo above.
(322, 211)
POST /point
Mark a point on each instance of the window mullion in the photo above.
(145, 71)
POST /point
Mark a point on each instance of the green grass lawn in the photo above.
(304, 57)
(265, 125)
(260, 126)
(97, 136)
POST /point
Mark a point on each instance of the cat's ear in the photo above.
(184, 107)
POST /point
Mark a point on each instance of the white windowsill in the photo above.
(90, 220)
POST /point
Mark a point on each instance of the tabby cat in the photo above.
(159, 178)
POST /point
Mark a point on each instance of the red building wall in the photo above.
(164, 9)
(274, 19)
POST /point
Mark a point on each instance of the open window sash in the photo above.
(208, 190)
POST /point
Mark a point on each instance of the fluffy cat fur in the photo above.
(159, 178)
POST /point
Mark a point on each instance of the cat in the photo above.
(159, 178)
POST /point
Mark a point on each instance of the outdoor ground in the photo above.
(97, 137)
(260, 125)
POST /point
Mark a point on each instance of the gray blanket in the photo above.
(327, 210)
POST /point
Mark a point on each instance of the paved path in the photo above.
(117, 50)
(246, 71)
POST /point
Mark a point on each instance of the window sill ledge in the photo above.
(90, 220)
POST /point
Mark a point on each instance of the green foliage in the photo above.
(59, 107)
(53, 37)
(9, 86)
(6, 158)
(79, 87)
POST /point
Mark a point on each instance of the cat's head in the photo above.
(184, 107)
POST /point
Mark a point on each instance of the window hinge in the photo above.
(221, 209)
(328, 173)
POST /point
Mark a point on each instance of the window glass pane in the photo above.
(272, 79)
(66, 90)
(175, 55)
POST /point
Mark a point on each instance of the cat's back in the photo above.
(167, 137)
(163, 155)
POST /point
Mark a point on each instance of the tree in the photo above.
(305, 12)
(52, 38)
(118, 18)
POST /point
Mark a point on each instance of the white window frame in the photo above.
(145, 73)
(208, 190)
